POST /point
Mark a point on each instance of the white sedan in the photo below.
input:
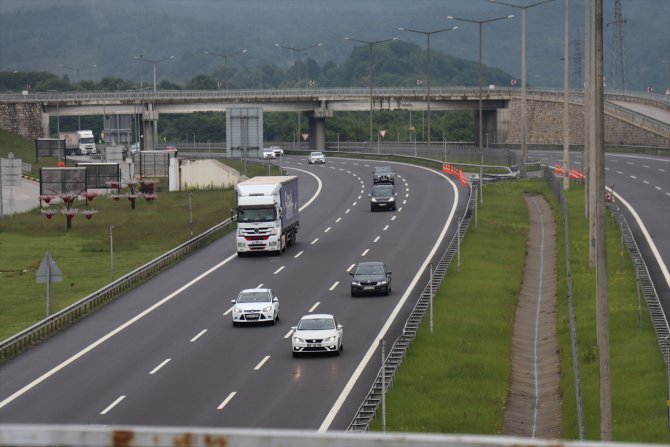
(317, 333)
(268, 153)
(255, 306)
(316, 157)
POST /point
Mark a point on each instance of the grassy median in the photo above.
(456, 379)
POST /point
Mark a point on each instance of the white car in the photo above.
(255, 306)
(317, 333)
(268, 153)
(316, 157)
(279, 152)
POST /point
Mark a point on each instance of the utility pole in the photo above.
(566, 101)
(602, 313)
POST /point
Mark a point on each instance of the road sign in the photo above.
(48, 271)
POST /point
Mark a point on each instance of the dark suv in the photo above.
(383, 197)
(370, 277)
(383, 174)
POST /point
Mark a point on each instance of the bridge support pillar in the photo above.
(317, 128)
(489, 130)
(149, 128)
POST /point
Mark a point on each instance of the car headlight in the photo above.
(298, 340)
(267, 309)
(330, 339)
(237, 310)
(391, 199)
(382, 282)
(355, 283)
(373, 200)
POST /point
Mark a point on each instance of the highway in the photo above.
(642, 185)
(166, 353)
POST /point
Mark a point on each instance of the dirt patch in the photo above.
(534, 403)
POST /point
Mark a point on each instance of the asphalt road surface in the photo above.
(166, 353)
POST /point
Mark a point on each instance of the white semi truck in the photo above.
(80, 142)
(267, 214)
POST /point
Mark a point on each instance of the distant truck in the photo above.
(80, 142)
(267, 214)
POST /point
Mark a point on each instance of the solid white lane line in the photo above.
(311, 309)
(365, 252)
(301, 252)
(279, 269)
(350, 267)
(326, 230)
(228, 311)
(338, 219)
(314, 241)
(376, 239)
(225, 402)
(289, 333)
(113, 404)
(333, 286)
(163, 363)
(261, 363)
(386, 228)
(198, 336)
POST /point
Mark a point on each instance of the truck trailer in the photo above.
(80, 142)
(267, 214)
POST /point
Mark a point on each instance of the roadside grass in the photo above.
(83, 253)
(456, 379)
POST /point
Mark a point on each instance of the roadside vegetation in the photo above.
(456, 379)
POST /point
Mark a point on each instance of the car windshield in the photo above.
(382, 191)
(383, 170)
(256, 215)
(254, 297)
(374, 269)
(316, 324)
(317, 154)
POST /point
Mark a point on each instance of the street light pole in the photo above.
(154, 62)
(370, 44)
(225, 63)
(524, 149)
(298, 51)
(481, 121)
(428, 34)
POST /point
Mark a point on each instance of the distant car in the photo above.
(255, 306)
(383, 174)
(383, 197)
(279, 152)
(317, 333)
(267, 153)
(370, 278)
(134, 148)
(316, 157)
(171, 148)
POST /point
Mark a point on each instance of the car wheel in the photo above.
(276, 317)
(387, 291)
(353, 293)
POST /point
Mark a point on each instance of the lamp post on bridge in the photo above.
(524, 149)
(298, 51)
(428, 34)
(370, 44)
(481, 121)
(225, 62)
(154, 62)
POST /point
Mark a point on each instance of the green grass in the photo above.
(83, 253)
(456, 379)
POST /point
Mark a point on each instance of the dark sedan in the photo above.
(370, 278)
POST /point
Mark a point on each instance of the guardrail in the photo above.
(62, 319)
(366, 411)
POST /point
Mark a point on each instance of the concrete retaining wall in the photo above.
(200, 174)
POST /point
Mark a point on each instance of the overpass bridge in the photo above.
(631, 119)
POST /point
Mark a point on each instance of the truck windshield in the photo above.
(87, 140)
(256, 215)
